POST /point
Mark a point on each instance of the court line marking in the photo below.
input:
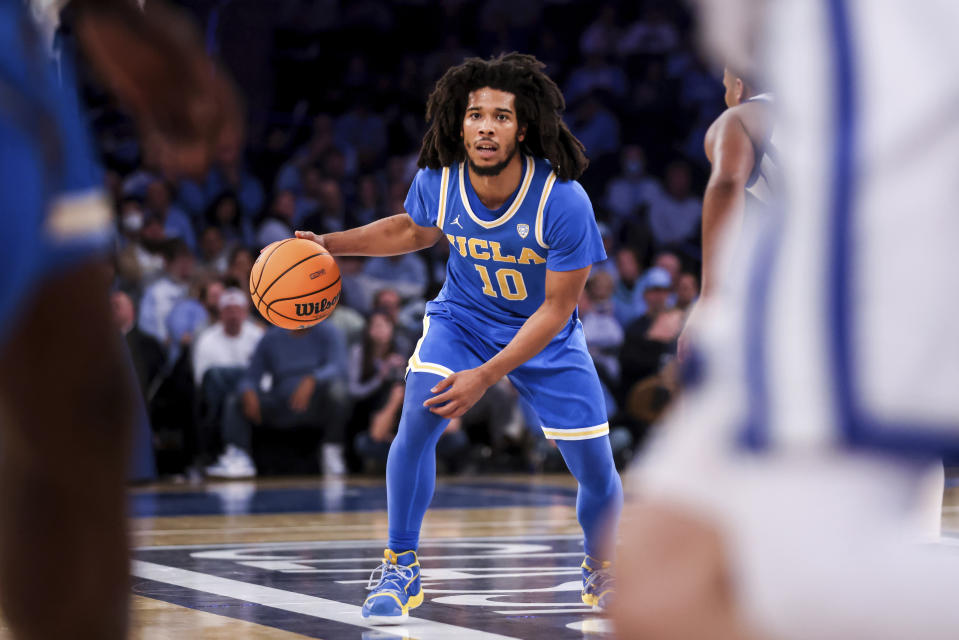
(363, 527)
(299, 603)
(514, 612)
(340, 544)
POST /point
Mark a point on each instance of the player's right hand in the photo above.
(312, 237)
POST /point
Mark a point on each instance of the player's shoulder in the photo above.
(431, 177)
(569, 195)
(754, 116)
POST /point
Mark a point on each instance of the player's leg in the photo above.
(599, 501)
(67, 409)
(563, 388)
(738, 545)
(411, 467)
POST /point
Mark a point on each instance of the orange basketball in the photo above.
(295, 283)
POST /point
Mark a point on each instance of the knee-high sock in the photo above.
(411, 465)
(600, 497)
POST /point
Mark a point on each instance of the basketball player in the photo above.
(739, 148)
(782, 498)
(498, 183)
(65, 395)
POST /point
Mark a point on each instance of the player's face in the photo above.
(734, 88)
(491, 132)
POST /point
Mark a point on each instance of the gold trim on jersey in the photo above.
(415, 364)
(444, 188)
(513, 208)
(547, 188)
(582, 433)
(79, 214)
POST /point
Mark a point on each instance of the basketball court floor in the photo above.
(290, 558)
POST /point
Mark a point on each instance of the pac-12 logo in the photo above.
(523, 230)
(314, 308)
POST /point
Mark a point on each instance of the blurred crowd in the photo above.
(333, 133)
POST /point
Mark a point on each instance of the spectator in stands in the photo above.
(147, 354)
(628, 296)
(137, 264)
(214, 253)
(604, 333)
(176, 223)
(228, 174)
(330, 211)
(674, 212)
(278, 222)
(596, 127)
(160, 297)
(652, 34)
(602, 35)
(221, 356)
(363, 131)
(388, 301)
(687, 291)
(376, 368)
(630, 192)
(229, 342)
(406, 273)
(188, 317)
(307, 389)
(652, 336)
(224, 214)
(595, 74)
(369, 205)
(241, 263)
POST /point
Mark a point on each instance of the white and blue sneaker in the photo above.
(598, 585)
(398, 589)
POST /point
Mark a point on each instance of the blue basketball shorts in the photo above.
(560, 382)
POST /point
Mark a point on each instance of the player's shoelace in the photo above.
(393, 577)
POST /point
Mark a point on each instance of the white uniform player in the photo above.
(825, 384)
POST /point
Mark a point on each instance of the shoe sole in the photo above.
(387, 619)
(414, 602)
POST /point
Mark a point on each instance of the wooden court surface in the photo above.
(285, 559)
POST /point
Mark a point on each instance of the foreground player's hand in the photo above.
(457, 393)
(154, 62)
(312, 237)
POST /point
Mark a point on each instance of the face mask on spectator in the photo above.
(132, 221)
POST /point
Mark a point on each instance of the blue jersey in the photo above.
(52, 209)
(496, 273)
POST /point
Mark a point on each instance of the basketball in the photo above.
(295, 283)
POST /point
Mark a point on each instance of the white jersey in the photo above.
(839, 328)
(764, 181)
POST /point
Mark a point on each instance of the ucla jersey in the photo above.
(496, 273)
(496, 279)
(53, 209)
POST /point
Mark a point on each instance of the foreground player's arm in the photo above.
(390, 236)
(464, 388)
(730, 151)
(153, 60)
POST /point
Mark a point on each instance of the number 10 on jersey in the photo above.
(510, 281)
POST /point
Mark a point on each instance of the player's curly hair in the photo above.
(539, 107)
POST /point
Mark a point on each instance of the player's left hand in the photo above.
(457, 393)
